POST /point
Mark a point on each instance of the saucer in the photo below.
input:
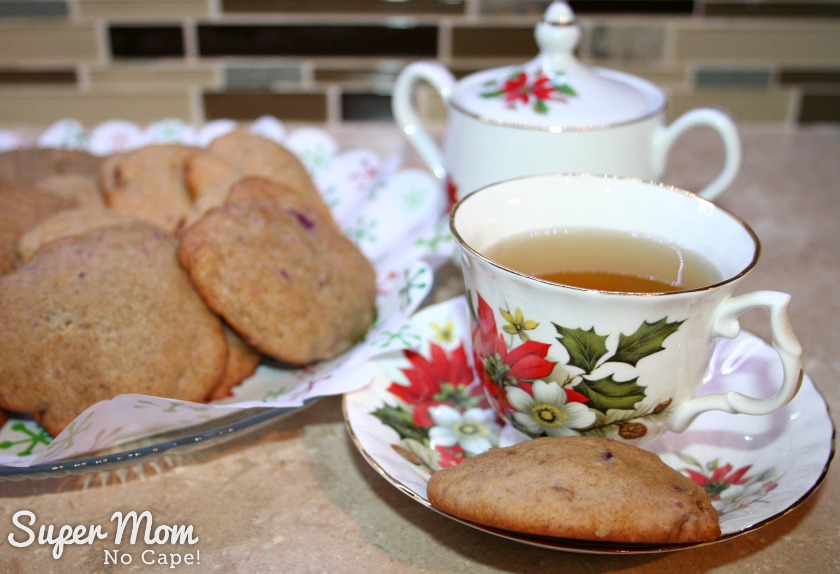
(755, 468)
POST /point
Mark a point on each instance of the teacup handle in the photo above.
(726, 128)
(402, 106)
(725, 324)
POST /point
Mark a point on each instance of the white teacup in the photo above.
(551, 114)
(562, 360)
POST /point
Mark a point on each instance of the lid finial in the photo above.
(557, 36)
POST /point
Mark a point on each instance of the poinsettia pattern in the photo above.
(533, 90)
(543, 397)
(440, 412)
(731, 488)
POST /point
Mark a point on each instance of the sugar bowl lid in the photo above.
(555, 90)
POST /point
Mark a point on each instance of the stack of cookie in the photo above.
(168, 270)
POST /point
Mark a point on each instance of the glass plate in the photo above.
(155, 452)
(755, 468)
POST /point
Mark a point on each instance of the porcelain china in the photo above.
(552, 114)
(601, 362)
(755, 469)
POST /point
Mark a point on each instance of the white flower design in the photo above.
(547, 410)
(475, 430)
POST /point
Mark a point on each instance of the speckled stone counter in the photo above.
(296, 496)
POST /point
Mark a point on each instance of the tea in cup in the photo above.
(596, 302)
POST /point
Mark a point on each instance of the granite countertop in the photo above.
(296, 496)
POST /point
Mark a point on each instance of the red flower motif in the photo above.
(450, 455)
(721, 478)
(451, 193)
(497, 366)
(440, 379)
(517, 89)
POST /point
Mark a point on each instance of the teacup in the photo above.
(627, 363)
(552, 114)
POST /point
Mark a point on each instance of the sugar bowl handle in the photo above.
(405, 113)
(726, 128)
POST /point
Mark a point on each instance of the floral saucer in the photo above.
(425, 411)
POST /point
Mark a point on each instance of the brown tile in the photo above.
(810, 76)
(819, 106)
(493, 41)
(44, 107)
(800, 43)
(250, 105)
(146, 9)
(632, 6)
(144, 42)
(449, 7)
(54, 43)
(366, 107)
(370, 73)
(538, 7)
(753, 9)
(15, 77)
(316, 40)
(661, 75)
(145, 77)
(743, 105)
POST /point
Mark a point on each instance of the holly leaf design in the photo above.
(646, 341)
(585, 347)
(607, 393)
(400, 420)
(565, 89)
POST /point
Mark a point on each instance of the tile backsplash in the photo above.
(768, 61)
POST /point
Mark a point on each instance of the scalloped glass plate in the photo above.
(395, 215)
(755, 468)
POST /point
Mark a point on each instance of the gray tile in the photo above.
(732, 78)
(33, 9)
(253, 77)
(626, 43)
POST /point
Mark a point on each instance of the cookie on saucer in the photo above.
(586, 488)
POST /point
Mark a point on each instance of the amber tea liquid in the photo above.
(604, 260)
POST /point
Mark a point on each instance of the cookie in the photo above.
(280, 272)
(587, 488)
(21, 209)
(81, 188)
(149, 182)
(68, 222)
(208, 177)
(252, 154)
(100, 314)
(26, 166)
(242, 362)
